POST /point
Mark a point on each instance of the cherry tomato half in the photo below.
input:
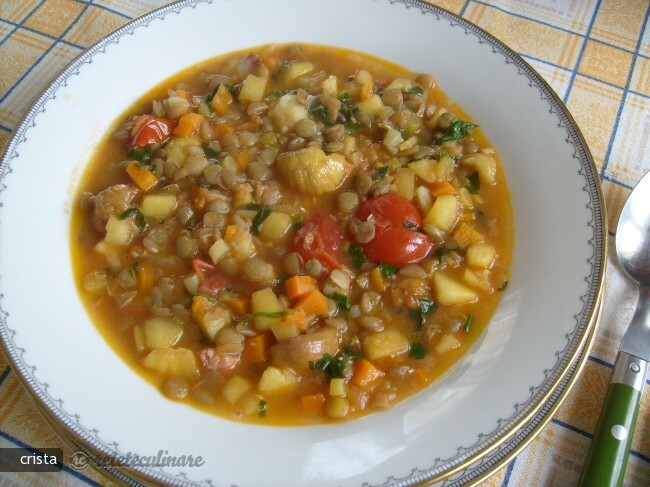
(153, 131)
(319, 239)
(396, 241)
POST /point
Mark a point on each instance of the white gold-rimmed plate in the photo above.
(517, 369)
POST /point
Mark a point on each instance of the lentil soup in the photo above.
(294, 234)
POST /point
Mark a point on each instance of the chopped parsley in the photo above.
(387, 270)
(459, 129)
(335, 366)
(262, 214)
(417, 351)
(135, 212)
(441, 252)
(321, 113)
(357, 255)
(468, 323)
(261, 408)
(425, 309)
(351, 127)
(412, 226)
(272, 95)
(209, 152)
(253, 206)
(274, 315)
(418, 90)
(284, 67)
(341, 300)
(474, 183)
(140, 154)
(379, 173)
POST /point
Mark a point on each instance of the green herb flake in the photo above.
(253, 206)
(459, 129)
(273, 95)
(262, 214)
(441, 252)
(412, 226)
(417, 351)
(209, 297)
(297, 225)
(468, 323)
(425, 309)
(418, 90)
(357, 255)
(209, 152)
(379, 173)
(261, 408)
(345, 96)
(351, 127)
(335, 366)
(387, 270)
(322, 114)
(341, 300)
(474, 183)
(135, 212)
(140, 154)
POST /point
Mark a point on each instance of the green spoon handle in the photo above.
(610, 446)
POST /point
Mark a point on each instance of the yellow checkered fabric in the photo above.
(594, 53)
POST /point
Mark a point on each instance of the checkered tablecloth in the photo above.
(596, 56)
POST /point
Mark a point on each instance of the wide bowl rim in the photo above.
(574, 364)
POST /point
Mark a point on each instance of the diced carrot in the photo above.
(146, 277)
(313, 403)
(270, 60)
(441, 187)
(222, 129)
(188, 124)
(200, 305)
(221, 100)
(377, 280)
(239, 305)
(199, 198)
(141, 176)
(255, 349)
(299, 286)
(366, 91)
(465, 235)
(365, 373)
(183, 94)
(314, 303)
(243, 159)
(231, 230)
(297, 318)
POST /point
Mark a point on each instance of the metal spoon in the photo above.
(610, 446)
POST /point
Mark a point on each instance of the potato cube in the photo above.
(210, 317)
(218, 250)
(371, 106)
(450, 291)
(265, 301)
(486, 166)
(275, 380)
(172, 361)
(383, 344)
(337, 387)
(405, 182)
(478, 279)
(330, 86)
(162, 333)
(447, 343)
(158, 206)
(275, 227)
(252, 89)
(283, 331)
(425, 169)
(298, 69)
(235, 388)
(444, 212)
(481, 256)
(119, 232)
(241, 244)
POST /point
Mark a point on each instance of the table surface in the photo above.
(594, 53)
